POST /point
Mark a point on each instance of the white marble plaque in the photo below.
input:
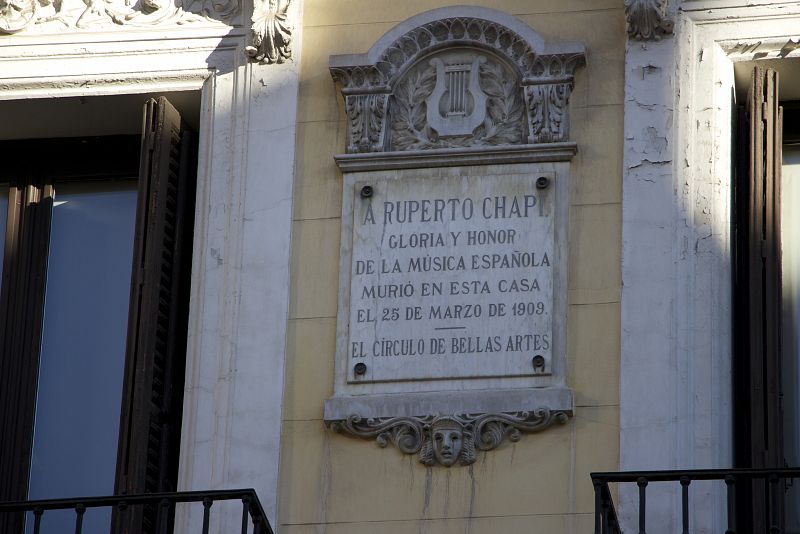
(451, 278)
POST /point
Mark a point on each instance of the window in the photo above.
(93, 311)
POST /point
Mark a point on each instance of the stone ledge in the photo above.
(453, 157)
(559, 399)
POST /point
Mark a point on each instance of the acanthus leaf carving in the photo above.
(547, 112)
(56, 15)
(647, 19)
(366, 122)
(271, 32)
(447, 440)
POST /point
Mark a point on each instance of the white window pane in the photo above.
(83, 348)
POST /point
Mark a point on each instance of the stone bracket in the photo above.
(470, 432)
(422, 422)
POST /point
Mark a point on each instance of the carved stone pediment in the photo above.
(442, 81)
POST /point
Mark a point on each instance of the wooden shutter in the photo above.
(21, 308)
(758, 410)
(156, 343)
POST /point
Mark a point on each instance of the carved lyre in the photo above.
(464, 106)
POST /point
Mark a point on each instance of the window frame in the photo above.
(31, 179)
(164, 158)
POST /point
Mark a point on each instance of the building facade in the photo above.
(582, 158)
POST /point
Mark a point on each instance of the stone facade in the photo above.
(626, 103)
(368, 486)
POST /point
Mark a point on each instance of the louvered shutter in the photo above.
(156, 342)
(21, 308)
(758, 410)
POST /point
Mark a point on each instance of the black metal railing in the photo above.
(605, 521)
(252, 511)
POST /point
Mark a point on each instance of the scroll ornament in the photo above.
(447, 440)
(270, 33)
(647, 19)
(19, 15)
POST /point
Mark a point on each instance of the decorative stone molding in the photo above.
(366, 118)
(648, 19)
(447, 440)
(467, 104)
(457, 81)
(271, 32)
(59, 15)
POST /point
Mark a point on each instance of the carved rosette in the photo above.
(449, 440)
(647, 19)
(59, 15)
(455, 83)
(270, 32)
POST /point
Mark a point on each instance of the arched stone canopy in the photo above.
(384, 117)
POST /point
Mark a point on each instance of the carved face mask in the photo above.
(447, 443)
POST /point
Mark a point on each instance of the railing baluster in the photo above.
(685, 503)
(162, 516)
(730, 482)
(207, 502)
(606, 505)
(37, 520)
(774, 506)
(162, 503)
(122, 509)
(597, 508)
(245, 513)
(79, 511)
(642, 483)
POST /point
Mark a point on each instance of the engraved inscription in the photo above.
(452, 278)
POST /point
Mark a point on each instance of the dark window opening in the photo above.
(93, 315)
(766, 359)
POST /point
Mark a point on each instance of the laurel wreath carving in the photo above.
(504, 124)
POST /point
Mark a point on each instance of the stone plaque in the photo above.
(451, 278)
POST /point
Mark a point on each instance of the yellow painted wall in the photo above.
(336, 484)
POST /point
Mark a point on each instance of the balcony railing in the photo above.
(773, 483)
(252, 511)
